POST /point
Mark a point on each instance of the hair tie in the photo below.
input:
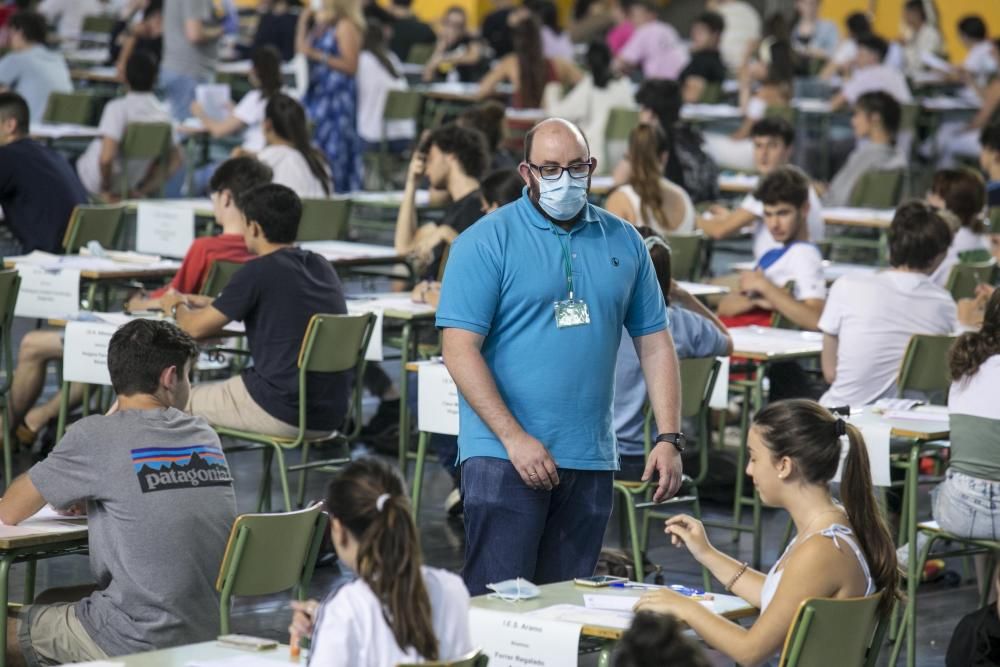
(840, 426)
(380, 502)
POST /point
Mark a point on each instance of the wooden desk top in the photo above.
(867, 218)
(181, 656)
(924, 424)
(771, 344)
(37, 534)
(126, 273)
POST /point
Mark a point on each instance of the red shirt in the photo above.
(198, 260)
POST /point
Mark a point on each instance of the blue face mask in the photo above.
(563, 198)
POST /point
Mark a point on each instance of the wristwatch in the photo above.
(678, 440)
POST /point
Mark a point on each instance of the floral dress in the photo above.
(332, 102)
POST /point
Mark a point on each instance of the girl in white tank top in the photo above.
(794, 449)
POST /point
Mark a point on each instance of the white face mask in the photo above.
(513, 590)
(562, 198)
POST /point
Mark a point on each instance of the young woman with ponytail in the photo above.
(396, 610)
(648, 199)
(840, 551)
(290, 153)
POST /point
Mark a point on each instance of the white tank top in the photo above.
(835, 532)
(685, 226)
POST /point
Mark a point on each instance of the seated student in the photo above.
(396, 610)
(31, 69)
(871, 74)
(158, 495)
(784, 194)
(67, 15)
(275, 296)
(868, 320)
(489, 117)
(453, 158)
(696, 332)
(857, 25)
(957, 139)
(648, 199)
(101, 168)
(379, 73)
(705, 67)
(962, 193)
(456, 50)
(772, 149)
(655, 47)
(875, 123)
(840, 551)
(144, 34)
(653, 640)
(289, 151)
(407, 30)
(920, 38)
(813, 38)
(989, 160)
(980, 62)
(38, 187)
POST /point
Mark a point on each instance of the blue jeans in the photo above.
(513, 531)
(967, 506)
(179, 91)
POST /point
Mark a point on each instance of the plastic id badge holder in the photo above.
(569, 312)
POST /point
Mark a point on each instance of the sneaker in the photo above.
(386, 417)
(903, 552)
(453, 503)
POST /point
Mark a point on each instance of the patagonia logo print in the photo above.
(163, 468)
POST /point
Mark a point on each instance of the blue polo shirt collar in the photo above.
(587, 215)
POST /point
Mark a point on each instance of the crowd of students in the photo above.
(539, 431)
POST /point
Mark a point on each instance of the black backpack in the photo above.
(976, 640)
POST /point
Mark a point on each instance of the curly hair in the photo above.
(975, 347)
(467, 145)
(656, 639)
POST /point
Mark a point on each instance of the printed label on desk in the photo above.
(437, 400)
(359, 306)
(719, 400)
(164, 229)
(516, 640)
(48, 294)
(86, 356)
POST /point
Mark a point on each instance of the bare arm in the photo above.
(725, 224)
(217, 128)
(349, 41)
(204, 321)
(619, 205)
(991, 100)
(106, 162)
(682, 298)
(828, 357)
(804, 313)
(658, 359)
(156, 174)
(406, 218)
(197, 32)
(498, 74)
(20, 501)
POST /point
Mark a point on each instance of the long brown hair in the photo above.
(975, 347)
(808, 434)
(374, 43)
(267, 67)
(526, 36)
(369, 498)
(288, 120)
(646, 145)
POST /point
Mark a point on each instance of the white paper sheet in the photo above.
(516, 640)
(437, 402)
(86, 356)
(47, 294)
(357, 307)
(215, 99)
(164, 229)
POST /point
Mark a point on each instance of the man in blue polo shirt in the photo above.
(533, 303)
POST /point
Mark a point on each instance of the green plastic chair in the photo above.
(99, 23)
(697, 381)
(10, 285)
(269, 553)
(993, 221)
(685, 255)
(974, 256)
(331, 344)
(712, 93)
(621, 122)
(964, 278)
(76, 108)
(324, 220)
(878, 188)
(145, 141)
(419, 54)
(786, 112)
(474, 659)
(925, 365)
(93, 223)
(219, 275)
(831, 633)
(400, 105)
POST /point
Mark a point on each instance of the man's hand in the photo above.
(171, 298)
(417, 165)
(666, 461)
(74, 510)
(533, 462)
(754, 282)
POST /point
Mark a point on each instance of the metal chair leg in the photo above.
(418, 474)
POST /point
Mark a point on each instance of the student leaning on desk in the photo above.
(158, 495)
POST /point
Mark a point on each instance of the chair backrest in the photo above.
(324, 220)
(146, 141)
(419, 54)
(685, 255)
(621, 122)
(403, 105)
(10, 285)
(830, 633)
(93, 223)
(99, 23)
(993, 220)
(788, 113)
(76, 108)
(474, 659)
(219, 275)
(269, 553)
(964, 277)
(878, 188)
(925, 365)
(335, 343)
(712, 93)
(697, 382)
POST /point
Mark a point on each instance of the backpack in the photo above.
(976, 640)
(700, 173)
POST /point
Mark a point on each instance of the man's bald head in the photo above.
(555, 136)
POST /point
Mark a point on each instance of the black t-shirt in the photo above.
(467, 73)
(409, 31)
(496, 32)
(277, 30)
(706, 64)
(275, 296)
(38, 190)
(460, 215)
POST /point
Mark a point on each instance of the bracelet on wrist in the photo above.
(732, 582)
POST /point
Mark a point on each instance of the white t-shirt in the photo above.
(873, 317)
(743, 26)
(250, 112)
(374, 84)
(116, 117)
(69, 14)
(802, 264)
(979, 60)
(976, 394)
(762, 239)
(291, 170)
(351, 629)
(963, 241)
(883, 78)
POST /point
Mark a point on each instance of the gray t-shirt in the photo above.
(867, 156)
(179, 55)
(160, 503)
(34, 74)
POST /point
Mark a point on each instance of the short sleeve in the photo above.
(807, 272)
(239, 298)
(69, 473)
(335, 640)
(709, 341)
(113, 121)
(835, 308)
(250, 111)
(470, 291)
(647, 310)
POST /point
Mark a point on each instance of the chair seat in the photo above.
(274, 439)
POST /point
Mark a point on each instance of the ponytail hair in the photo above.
(369, 498)
(809, 434)
(266, 62)
(646, 144)
(975, 347)
(288, 120)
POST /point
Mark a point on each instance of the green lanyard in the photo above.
(567, 262)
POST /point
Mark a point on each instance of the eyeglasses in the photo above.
(553, 172)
